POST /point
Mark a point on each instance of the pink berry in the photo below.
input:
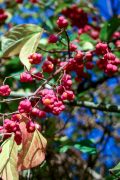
(5, 90)
(117, 43)
(73, 47)
(19, 1)
(79, 56)
(62, 22)
(109, 56)
(35, 58)
(52, 38)
(48, 66)
(30, 126)
(34, 1)
(68, 95)
(101, 48)
(25, 106)
(35, 111)
(88, 56)
(15, 117)
(26, 77)
(89, 65)
(3, 15)
(42, 114)
(18, 137)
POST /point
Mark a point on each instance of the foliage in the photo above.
(59, 92)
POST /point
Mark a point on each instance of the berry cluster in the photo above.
(90, 30)
(51, 101)
(36, 112)
(108, 62)
(79, 63)
(116, 38)
(76, 15)
(12, 126)
(3, 16)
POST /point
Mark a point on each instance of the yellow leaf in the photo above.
(8, 160)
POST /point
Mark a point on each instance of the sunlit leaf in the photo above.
(14, 40)
(8, 160)
(29, 47)
(33, 148)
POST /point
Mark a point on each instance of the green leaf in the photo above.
(29, 47)
(64, 148)
(14, 40)
(109, 28)
(87, 46)
(117, 53)
(85, 146)
(117, 90)
(8, 160)
(86, 38)
(61, 7)
(116, 171)
(85, 149)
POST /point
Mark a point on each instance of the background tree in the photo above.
(59, 76)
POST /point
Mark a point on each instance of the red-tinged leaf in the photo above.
(33, 148)
(8, 160)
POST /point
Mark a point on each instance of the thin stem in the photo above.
(68, 43)
(52, 51)
(10, 77)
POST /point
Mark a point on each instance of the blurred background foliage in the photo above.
(83, 143)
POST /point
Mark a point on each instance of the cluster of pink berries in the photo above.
(91, 31)
(64, 89)
(116, 38)
(77, 16)
(51, 101)
(3, 15)
(108, 62)
(21, 1)
(79, 62)
(12, 126)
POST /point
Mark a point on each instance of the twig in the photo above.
(68, 44)
(99, 106)
(52, 51)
